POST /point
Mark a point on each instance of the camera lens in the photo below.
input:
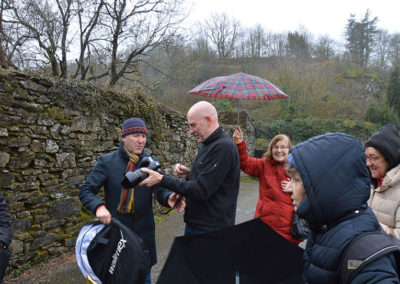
(133, 178)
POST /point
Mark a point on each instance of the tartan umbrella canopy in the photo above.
(239, 86)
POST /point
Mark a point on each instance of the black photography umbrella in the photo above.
(111, 254)
(250, 252)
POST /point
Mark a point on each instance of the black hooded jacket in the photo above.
(336, 180)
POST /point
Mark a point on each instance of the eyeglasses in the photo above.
(373, 159)
(280, 147)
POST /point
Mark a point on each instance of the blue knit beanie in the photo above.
(133, 125)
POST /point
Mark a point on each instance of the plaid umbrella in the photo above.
(240, 86)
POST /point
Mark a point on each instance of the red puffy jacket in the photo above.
(274, 207)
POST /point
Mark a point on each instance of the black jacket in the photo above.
(109, 172)
(212, 188)
(5, 231)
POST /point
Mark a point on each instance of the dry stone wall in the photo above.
(51, 135)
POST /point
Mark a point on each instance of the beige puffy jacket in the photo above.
(385, 201)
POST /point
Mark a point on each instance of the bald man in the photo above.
(211, 186)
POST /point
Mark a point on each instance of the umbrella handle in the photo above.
(238, 113)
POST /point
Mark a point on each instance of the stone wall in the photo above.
(229, 119)
(51, 135)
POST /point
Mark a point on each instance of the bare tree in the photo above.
(393, 89)
(42, 27)
(131, 29)
(88, 13)
(11, 38)
(114, 35)
(223, 32)
(3, 57)
(324, 49)
(256, 41)
(201, 45)
(64, 8)
(394, 49)
(381, 48)
(275, 44)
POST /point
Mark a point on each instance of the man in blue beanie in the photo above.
(330, 189)
(132, 206)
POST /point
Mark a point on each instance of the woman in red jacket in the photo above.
(274, 206)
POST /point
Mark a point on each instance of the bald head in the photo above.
(203, 120)
(202, 109)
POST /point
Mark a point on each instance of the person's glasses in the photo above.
(280, 147)
(373, 159)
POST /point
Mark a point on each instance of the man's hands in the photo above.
(103, 215)
(172, 198)
(180, 171)
(153, 178)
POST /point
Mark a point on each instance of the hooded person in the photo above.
(330, 189)
(383, 160)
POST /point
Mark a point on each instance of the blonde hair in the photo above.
(276, 139)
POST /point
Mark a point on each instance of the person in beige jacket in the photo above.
(383, 160)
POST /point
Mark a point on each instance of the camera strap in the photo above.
(176, 204)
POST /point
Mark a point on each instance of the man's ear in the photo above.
(209, 119)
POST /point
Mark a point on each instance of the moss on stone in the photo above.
(56, 113)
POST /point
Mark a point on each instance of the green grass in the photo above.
(158, 218)
(248, 179)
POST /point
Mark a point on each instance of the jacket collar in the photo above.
(392, 178)
(216, 134)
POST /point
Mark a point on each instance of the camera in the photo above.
(134, 178)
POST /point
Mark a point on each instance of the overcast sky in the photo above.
(319, 17)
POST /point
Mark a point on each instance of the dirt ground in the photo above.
(51, 271)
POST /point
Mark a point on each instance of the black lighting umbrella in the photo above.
(250, 252)
(111, 254)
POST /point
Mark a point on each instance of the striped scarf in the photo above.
(127, 200)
